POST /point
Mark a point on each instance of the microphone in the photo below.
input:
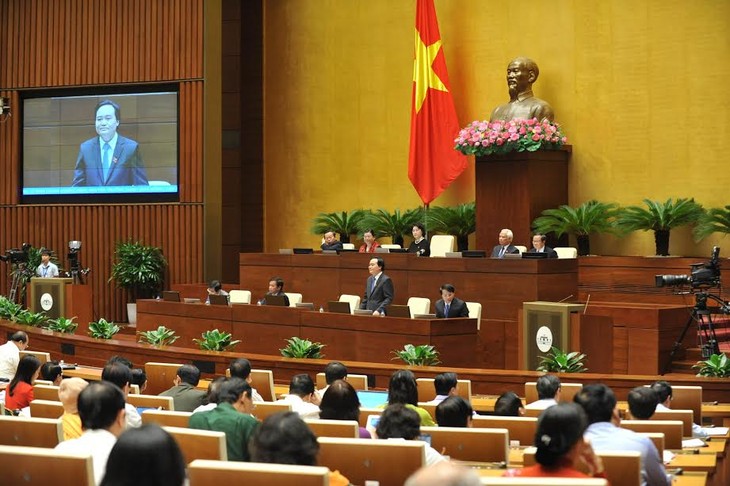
(563, 300)
(587, 301)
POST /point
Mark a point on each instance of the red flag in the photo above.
(433, 163)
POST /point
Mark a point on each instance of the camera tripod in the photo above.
(702, 315)
(16, 282)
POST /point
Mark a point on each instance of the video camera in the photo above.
(702, 275)
(16, 256)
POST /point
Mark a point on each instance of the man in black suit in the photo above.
(330, 242)
(378, 289)
(109, 159)
(450, 306)
(505, 244)
(538, 246)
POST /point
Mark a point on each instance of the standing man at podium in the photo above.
(46, 268)
(379, 290)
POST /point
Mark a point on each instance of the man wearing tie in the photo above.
(46, 268)
(538, 246)
(109, 159)
(378, 289)
(449, 305)
(505, 244)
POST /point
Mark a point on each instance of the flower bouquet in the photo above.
(501, 137)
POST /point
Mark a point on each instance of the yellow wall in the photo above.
(639, 87)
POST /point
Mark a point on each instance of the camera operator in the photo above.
(46, 268)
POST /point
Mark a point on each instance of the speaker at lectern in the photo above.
(546, 324)
(49, 295)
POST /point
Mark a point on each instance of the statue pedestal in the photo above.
(514, 189)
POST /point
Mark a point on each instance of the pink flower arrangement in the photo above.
(501, 137)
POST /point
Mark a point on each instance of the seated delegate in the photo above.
(420, 245)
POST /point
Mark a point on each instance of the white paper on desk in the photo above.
(690, 443)
(715, 431)
(667, 456)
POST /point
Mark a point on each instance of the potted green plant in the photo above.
(162, 336)
(660, 217)
(216, 340)
(420, 355)
(102, 329)
(9, 309)
(558, 361)
(344, 223)
(302, 348)
(460, 221)
(717, 365)
(29, 318)
(715, 220)
(395, 224)
(63, 324)
(590, 217)
(139, 269)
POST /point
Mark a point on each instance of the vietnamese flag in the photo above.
(433, 163)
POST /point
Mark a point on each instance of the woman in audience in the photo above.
(340, 402)
(145, 456)
(454, 412)
(20, 390)
(284, 438)
(400, 422)
(369, 244)
(51, 371)
(68, 395)
(509, 405)
(403, 389)
(561, 447)
(419, 245)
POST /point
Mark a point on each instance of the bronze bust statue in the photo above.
(521, 73)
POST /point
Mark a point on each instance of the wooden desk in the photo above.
(265, 329)
(501, 286)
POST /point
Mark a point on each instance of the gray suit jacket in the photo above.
(510, 249)
(381, 296)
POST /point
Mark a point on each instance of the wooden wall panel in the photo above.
(65, 43)
(176, 228)
(46, 43)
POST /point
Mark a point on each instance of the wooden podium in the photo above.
(514, 189)
(59, 297)
(562, 324)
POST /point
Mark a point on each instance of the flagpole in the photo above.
(425, 219)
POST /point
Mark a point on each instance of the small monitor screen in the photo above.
(116, 146)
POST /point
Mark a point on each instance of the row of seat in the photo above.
(443, 244)
(360, 460)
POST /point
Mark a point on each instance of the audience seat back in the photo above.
(363, 460)
(166, 418)
(160, 376)
(30, 431)
(205, 472)
(470, 444)
(521, 429)
(37, 466)
(46, 409)
(334, 428)
(200, 444)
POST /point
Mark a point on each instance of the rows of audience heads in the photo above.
(284, 438)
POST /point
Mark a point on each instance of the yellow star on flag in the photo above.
(423, 73)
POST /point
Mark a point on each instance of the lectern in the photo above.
(59, 297)
(546, 324)
(563, 325)
(49, 295)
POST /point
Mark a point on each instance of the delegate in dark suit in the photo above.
(381, 296)
(457, 308)
(497, 250)
(379, 290)
(546, 249)
(126, 168)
